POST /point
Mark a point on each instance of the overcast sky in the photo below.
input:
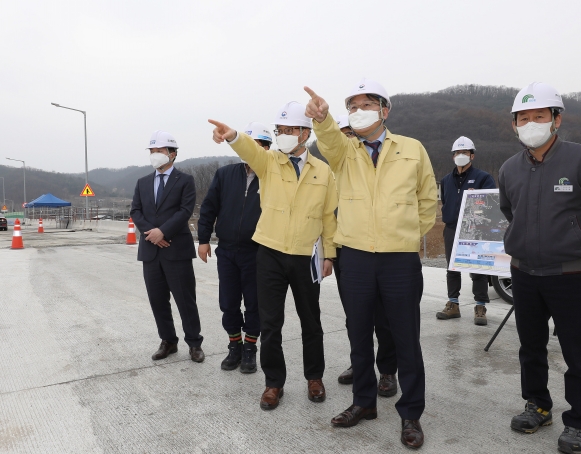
(140, 65)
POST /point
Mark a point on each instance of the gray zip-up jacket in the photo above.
(542, 202)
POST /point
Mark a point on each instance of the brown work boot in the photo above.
(452, 310)
(165, 349)
(480, 315)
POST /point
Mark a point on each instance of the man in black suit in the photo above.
(162, 205)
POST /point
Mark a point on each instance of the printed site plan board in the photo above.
(479, 241)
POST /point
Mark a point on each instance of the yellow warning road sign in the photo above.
(4, 208)
(87, 191)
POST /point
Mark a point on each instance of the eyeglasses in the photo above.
(464, 152)
(349, 133)
(287, 131)
(363, 106)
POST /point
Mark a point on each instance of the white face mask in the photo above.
(287, 143)
(461, 160)
(534, 134)
(158, 160)
(363, 118)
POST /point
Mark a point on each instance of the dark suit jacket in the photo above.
(172, 216)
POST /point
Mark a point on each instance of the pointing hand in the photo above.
(317, 107)
(222, 132)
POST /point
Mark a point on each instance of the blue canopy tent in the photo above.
(48, 200)
(53, 206)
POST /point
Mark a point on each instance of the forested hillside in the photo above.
(481, 113)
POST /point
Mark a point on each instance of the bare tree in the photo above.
(203, 175)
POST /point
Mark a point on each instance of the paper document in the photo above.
(317, 259)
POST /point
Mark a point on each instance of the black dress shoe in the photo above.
(387, 386)
(353, 415)
(412, 435)
(165, 348)
(346, 378)
(197, 354)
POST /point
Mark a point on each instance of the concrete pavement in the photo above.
(77, 335)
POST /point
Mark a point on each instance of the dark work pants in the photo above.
(536, 299)
(237, 276)
(396, 279)
(454, 278)
(386, 359)
(277, 271)
(176, 276)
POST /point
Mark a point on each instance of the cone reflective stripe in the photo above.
(131, 239)
(40, 226)
(17, 236)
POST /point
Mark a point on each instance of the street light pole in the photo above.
(3, 193)
(24, 173)
(86, 160)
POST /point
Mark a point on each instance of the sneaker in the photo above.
(248, 365)
(480, 315)
(570, 440)
(232, 361)
(452, 310)
(531, 419)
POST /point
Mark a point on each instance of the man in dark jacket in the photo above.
(162, 205)
(233, 203)
(540, 195)
(464, 177)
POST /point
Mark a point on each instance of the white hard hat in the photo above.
(343, 121)
(162, 139)
(258, 131)
(368, 87)
(293, 114)
(463, 143)
(537, 95)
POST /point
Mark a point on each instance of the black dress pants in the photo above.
(237, 280)
(176, 276)
(536, 299)
(454, 278)
(396, 279)
(386, 358)
(277, 271)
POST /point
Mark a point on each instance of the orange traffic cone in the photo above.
(40, 227)
(131, 233)
(17, 236)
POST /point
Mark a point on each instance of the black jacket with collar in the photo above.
(233, 208)
(171, 217)
(453, 186)
(542, 202)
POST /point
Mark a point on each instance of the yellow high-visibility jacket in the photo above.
(383, 209)
(294, 212)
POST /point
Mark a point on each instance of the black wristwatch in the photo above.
(332, 260)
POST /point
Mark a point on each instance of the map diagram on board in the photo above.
(479, 241)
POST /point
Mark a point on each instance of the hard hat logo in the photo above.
(152, 142)
(283, 114)
(362, 86)
(528, 98)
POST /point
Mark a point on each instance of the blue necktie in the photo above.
(375, 154)
(295, 161)
(159, 189)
